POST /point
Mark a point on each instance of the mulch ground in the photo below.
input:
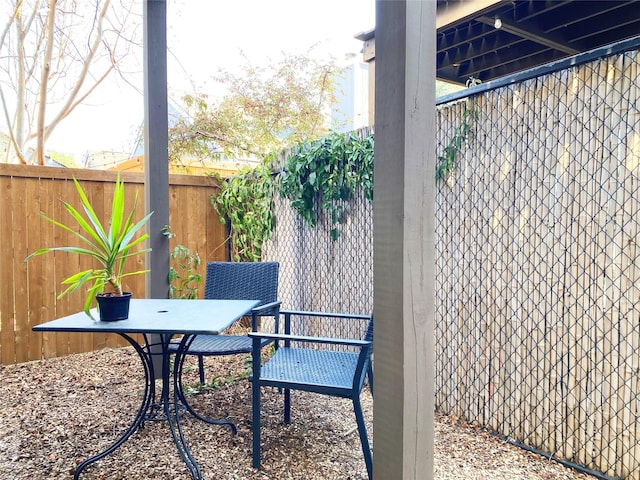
(57, 412)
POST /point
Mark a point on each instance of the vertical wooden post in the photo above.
(404, 232)
(156, 153)
(156, 131)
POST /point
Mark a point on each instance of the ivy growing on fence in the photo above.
(320, 176)
(327, 173)
(448, 160)
(246, 202)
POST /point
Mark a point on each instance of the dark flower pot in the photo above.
(113, 307)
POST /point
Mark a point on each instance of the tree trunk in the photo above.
(46, 68)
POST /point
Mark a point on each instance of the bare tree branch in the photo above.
(10, 21)
(12, 138)
(66, 108)
(60, 52)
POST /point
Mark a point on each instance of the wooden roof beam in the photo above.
(453, 12)
(530, 32)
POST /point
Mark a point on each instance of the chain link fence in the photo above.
(320, 274)
(538, 283)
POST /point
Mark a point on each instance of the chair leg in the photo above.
(256, 424)
(370, 377)
(364, 440)
(287, 406)
(201, 368)
(255, 404)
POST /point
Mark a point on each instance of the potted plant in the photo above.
(109, 248)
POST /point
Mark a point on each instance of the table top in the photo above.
(161, 316)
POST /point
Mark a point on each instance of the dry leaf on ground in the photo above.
(57, 412)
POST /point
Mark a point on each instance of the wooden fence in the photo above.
(29, 290)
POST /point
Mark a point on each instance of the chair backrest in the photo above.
(242, 281)
(367, 370)
(368, 336)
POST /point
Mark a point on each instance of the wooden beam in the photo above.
(531, 32)
(156, 131)
(404, 231)
(458, 11)
(369, 50)
(156, 168)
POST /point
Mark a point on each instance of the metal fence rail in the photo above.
(538, 284)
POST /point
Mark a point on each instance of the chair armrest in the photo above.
(266, 306)
(354, 316)
(304, 338)
(292, 314)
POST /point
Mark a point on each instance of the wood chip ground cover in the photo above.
(59, 411)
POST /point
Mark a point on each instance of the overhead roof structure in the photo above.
(489, 39)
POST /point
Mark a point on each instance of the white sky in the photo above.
(205, 35)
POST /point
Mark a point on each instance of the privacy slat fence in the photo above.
(538, 284)
(29, 290)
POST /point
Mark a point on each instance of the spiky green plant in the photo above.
(109, 248)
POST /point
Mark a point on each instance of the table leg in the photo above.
(157, 411)
(168, 406)
(177, 375)
(173, 414)
(146, 401)
(165, 408)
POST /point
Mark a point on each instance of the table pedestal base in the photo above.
(168, 407)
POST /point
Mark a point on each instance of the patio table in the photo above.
(164, 318)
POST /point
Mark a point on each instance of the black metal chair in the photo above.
(337, 371)
(237, 281)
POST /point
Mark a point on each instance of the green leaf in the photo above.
(325, 173)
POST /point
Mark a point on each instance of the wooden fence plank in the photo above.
(19, 233)
(35, 283)
(7, 329)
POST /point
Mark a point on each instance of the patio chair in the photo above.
(237, 281)
(324, 365)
